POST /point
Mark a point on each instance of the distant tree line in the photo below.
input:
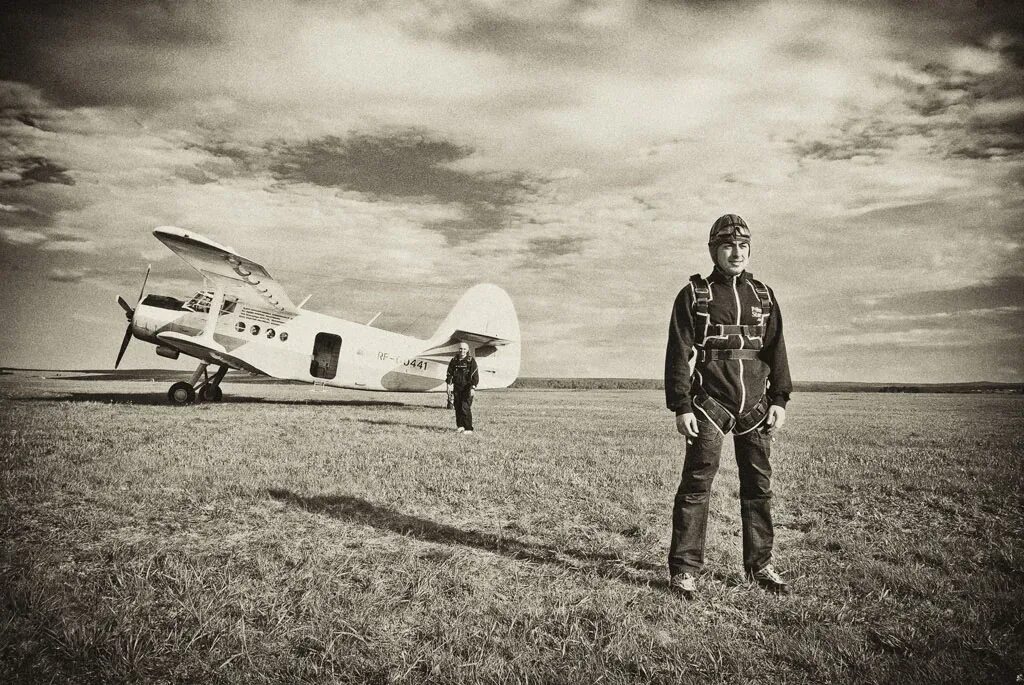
(588, 384)
(805, 386)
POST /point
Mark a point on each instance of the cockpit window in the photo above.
(200, 303)
(163, 302)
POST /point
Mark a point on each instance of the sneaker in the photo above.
(769, 579)
(469, 432)
(684, 584)
(460, 429)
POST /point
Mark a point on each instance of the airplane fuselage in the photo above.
(307, 347)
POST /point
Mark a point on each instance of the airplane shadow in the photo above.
(400, 424)
(356, 510)
(150, 399)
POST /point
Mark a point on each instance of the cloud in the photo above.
(546, 248)
(976, 60)
(60, 242)
(36, 206)
(26, 170)
(408, 164)
(65, 275)
(411, 165)
(851, 141)
(1005, 294)
(929, 338)
(960, 328)
(956, 331)
(567, 31)
(70, 245)
(21, 236)
(961, 101)
(22, 105)
(195, 175)
(19, 216)
(117, 31)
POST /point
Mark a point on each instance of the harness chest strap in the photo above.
(731, 329)
(702, 298)
(706, 355)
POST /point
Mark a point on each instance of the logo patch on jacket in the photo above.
(755, 312)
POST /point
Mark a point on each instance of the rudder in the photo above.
(485, 318)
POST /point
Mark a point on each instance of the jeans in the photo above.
(690, 511)
(464, 408)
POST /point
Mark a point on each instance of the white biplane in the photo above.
(244, 320)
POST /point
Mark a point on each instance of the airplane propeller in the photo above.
(129, 313)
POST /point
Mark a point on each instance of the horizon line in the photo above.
(550, 378)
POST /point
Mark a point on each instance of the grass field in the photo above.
(288, 535)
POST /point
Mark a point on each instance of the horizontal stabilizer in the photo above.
(472, 339)
(479, 339)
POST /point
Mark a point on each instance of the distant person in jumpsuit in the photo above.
(462, 379)
(731, 326)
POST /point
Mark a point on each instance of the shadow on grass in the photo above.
(160, 399)
(584, 562)
(402, 424)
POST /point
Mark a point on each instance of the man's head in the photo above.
(729, 244)
(463, 350)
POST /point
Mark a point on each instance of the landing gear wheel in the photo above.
(211, 393)
(181, 393)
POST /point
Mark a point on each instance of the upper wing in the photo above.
(237, 275)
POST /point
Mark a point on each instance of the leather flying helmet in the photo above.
(726, 228)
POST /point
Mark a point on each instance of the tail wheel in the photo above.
(211, 393)
(181, 393)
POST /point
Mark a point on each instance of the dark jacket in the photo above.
(737, 384)
(463, 373)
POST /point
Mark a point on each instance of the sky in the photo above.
(385, 156)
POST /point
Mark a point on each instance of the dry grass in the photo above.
(345, 537)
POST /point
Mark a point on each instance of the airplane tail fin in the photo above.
(485, 319)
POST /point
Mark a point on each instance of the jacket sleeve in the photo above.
(780, 385)
(475, 375)
(677, 353)
(448, 376)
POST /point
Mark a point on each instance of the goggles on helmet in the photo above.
(730, 231)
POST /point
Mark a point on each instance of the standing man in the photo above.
(462, 379)
(730, 324)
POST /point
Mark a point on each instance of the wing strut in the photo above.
(216, 302)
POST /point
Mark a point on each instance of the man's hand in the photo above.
(776, 419)
(472, 392)
(686, 424)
